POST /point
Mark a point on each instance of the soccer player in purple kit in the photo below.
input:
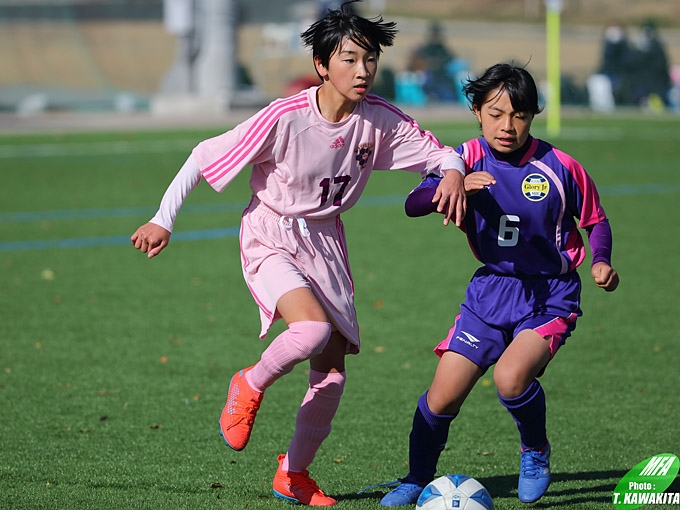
(526, 201)
(312, 155)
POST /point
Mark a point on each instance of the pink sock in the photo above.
(313, 423)
(301, 341)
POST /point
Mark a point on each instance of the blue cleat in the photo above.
(406, 493)
(534, 474)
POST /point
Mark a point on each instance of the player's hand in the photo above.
(605, 276)
(150, 238)
(476, 181)
(450, 196)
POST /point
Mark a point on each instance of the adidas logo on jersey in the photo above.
(339, 143)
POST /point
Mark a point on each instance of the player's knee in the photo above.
(438, 403)
(510, 383)
(308, 338)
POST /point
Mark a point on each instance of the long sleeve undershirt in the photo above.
(186, 180)
(600, 239)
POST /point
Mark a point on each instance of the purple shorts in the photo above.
(498, 307)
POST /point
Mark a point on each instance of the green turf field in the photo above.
(114, 369)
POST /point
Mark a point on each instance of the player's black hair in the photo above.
(516, 81)
(325, 36)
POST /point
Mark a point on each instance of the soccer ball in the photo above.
(458, 492)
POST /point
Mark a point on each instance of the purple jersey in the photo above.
(526, 224)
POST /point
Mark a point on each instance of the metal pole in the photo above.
(553, 99)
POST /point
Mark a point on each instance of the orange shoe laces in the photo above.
(303, 484)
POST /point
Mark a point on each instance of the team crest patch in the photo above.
(535, 187)
(364, 151)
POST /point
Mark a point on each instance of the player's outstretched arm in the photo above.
(154, 236)
(450, 196)
(151, 239)
(605, 276)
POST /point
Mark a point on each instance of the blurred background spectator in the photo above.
(650, 68)
(632, 72)
(617, 61)
(431, 59)
(433, 72)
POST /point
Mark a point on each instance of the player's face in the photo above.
(351, 71)
(504, 129)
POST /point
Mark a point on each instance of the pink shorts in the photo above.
(282, 255)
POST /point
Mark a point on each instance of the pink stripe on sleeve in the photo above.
(591, 210)
(379, 101)
(240, 154)
(575, 249)
(472, 152)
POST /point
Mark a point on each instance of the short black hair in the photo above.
(516, 81)
(325, 36)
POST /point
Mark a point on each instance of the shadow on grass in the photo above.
(595, 487)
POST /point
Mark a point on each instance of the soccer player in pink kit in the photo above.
(311, 156)
(526, 200)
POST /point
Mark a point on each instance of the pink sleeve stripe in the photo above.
(374, 100)
(379, 101)
(472, 152)
(264, 119)
(575, 249)
(591, 210)
(260, 129)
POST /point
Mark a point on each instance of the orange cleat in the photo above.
(299, 488)
(238, 415)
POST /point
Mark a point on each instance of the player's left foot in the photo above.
(299, 488)
(406, 493)
(238, 415)
(534, 474)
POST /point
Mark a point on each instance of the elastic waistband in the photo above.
(267, 212)
(288, 222)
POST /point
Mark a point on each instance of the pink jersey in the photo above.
(305, 166)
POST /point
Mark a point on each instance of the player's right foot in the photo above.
(534, 474)
(238, 415)
(298, 487)
(406, 493)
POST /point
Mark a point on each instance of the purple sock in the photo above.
(426, 442)
(528, 411)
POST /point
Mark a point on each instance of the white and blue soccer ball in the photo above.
(455, 492)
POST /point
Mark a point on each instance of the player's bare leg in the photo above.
(453, 380)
